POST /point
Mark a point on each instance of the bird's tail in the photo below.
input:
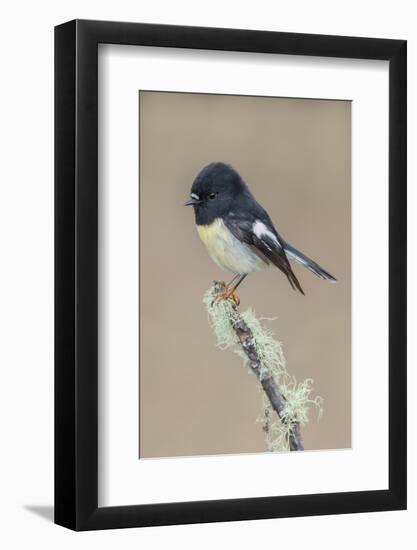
(294, 282)
(294, 254)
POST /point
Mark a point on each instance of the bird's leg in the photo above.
(229, 289)
(224, 285)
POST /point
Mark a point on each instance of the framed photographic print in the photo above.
(230, 274)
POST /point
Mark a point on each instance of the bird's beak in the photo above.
(192, 202)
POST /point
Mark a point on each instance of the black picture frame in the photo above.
(76, 272)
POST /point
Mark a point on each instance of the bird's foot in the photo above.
(225, 292)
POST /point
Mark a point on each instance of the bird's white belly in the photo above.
(227, 251)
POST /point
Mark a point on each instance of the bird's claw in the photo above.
(224, 292)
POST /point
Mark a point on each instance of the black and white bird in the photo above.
(238, 233)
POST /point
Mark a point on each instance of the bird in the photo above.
(238, 232)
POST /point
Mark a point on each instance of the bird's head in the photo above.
(214, 190)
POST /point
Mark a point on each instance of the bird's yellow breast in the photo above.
(217, 239)
(228, 252)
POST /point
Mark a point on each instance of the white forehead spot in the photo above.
(195, 196)
(261, 230)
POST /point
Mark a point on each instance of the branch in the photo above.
(276, 398)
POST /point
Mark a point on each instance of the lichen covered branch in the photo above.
(244, 333)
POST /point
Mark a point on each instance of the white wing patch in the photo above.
(261, 230)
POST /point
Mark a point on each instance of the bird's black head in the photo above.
(214, 191)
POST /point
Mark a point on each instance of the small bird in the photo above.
(238, 233)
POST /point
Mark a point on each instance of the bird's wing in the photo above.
(258, 232)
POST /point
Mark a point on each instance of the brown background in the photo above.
(295, 155)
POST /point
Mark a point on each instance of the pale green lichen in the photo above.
(220, 315)
(299, 402)
(270, 352)
(268, 349)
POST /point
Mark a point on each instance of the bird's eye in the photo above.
(212, 195)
